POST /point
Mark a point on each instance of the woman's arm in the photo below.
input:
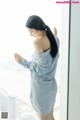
(40, 68)
(22, 61)
(18, 58)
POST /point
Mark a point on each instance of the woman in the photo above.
(42, 68)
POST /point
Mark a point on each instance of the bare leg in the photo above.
(46, 117)
(51, 115)
(42, 117)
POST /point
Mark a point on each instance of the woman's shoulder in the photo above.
(42, 44)
(38, 46)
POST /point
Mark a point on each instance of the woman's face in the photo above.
(34, 32)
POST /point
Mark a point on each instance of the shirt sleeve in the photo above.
(42, 66)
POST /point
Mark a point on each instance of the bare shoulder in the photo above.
(38, 46)
(42, 44)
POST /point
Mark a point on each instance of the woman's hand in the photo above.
(18, 58)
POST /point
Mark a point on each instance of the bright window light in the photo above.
(15, 38)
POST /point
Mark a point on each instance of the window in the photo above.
(15, 38)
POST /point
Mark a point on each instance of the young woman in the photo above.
(42, 68)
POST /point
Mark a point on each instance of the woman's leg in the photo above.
(46, 117)
(51, 115)
(42, 117)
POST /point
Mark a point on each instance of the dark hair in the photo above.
(35, 22)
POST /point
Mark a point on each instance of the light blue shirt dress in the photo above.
(43, 83)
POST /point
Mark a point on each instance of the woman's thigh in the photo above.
(51, 115)
(46, 117)
(43, 117)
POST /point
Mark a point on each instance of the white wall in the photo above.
(74, 73)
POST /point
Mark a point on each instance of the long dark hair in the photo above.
(35, 22)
